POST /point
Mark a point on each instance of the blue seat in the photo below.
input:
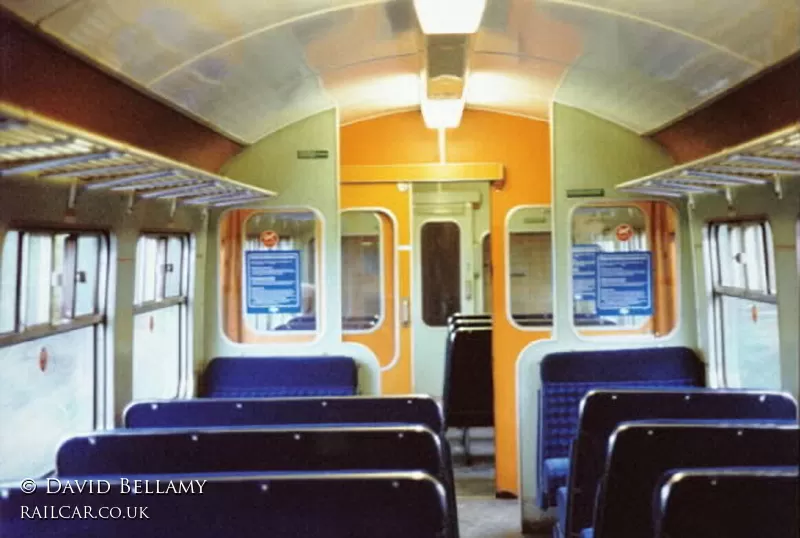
(735, 503)
(253, 505)
(164, 451)
(276, 411)
(642, 452)
(566, 377)
(265, 377)
(356, 410)
(603, 410)
(468, 387)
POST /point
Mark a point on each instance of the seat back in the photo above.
(254, 505)
(355, 410)
(469, 386)
(566, 377)
(264, 377)
(275, 411)
(603, 410)
(642, 452)
(402, 448)
(735, 503)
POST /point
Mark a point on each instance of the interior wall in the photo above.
(523, 147)
(37, 75)
(760, 106)
(272, 163)
(26, 202)
(588, 152)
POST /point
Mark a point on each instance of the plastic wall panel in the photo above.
(157, 353)
(48, 394)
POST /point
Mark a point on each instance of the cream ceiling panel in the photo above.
(518, 85)
(34, 10)
(273, 77)
(377, 87)
(764, 31)
(144, 39)
(248, 67)
(639, 75)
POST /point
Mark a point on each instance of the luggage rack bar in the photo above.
(767, 161)
(38, 147)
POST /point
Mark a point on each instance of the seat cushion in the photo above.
(587, 533)
(561, 506)
(554, 476)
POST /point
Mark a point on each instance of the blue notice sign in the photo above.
(273, 282)
(624, 284)
(584, 272)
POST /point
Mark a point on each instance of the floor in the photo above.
(480, 514)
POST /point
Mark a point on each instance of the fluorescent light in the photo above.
(449, 16)
(442, 113)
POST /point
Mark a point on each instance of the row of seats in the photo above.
(335, 466)
(640, 454)
(279, 377)
(469, 380)
(566, 377)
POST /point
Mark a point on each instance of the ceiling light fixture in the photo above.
(442, 113)
(449, 16)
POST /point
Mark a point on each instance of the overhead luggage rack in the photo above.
(34, 146)
(769, 160)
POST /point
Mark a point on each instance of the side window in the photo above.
(441, 272)
(745, 304)
(530, 278)
(624, 269)
(363, 273)
(270, 275)
(161, 316)
(52, 327)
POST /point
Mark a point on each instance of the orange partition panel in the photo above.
(391, 342)
(522, 147)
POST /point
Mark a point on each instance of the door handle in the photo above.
(405, 312)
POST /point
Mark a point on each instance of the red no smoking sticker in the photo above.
(624, 232)
(269, 238)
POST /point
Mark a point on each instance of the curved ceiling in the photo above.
(250, 67)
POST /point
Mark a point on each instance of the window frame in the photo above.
(98, 320)
(459, 277)
(547, 324)
(382, 272)
(316, 267)
(718, 291)
(67, 321)
(163, 302)
(629, 334)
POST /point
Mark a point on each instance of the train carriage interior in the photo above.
(399, 268)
